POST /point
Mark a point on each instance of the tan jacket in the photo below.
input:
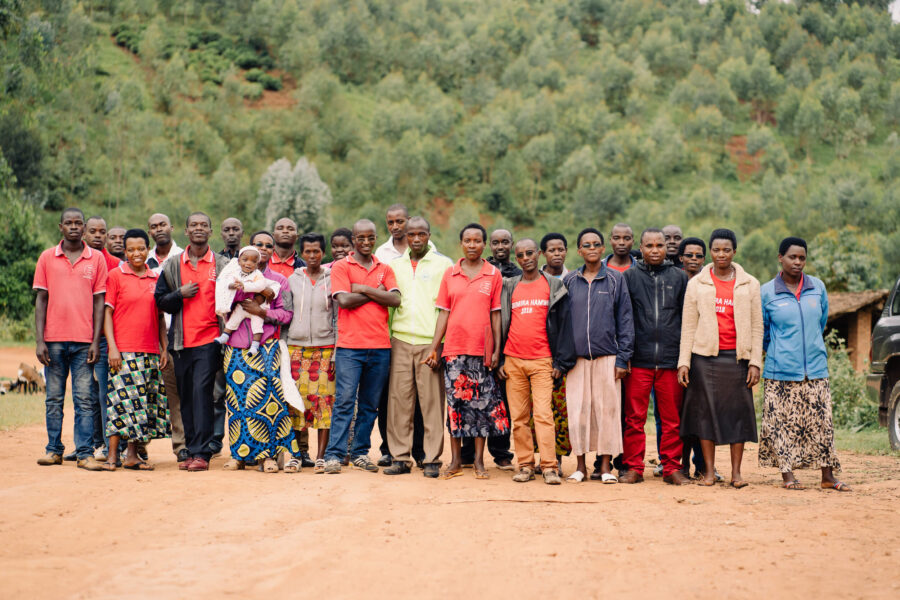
(700, 328)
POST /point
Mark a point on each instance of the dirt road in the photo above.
(68, 533)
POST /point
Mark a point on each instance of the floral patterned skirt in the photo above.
(560, 419)
(313, 371)
(797, 429)
(138, 409)
(474, 405)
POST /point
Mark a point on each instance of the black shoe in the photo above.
(397, 468)
(385, 460)
(432, 470)
(596, 474)
(504, 464)
(183, 455)
(420, 463)
(305, 460)
(71, 457)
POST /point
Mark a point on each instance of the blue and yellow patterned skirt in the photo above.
(259, 425)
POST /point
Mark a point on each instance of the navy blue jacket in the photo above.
(792, 330)
(602, 321)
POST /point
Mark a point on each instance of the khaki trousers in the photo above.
(410, 377)
(529, 389)
(594, 403)
(168, 376)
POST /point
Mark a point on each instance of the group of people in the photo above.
(263, 342)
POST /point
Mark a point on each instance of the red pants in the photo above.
(638, 385)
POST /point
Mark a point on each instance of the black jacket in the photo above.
(507, 269)
(657, 297)
(559, 321)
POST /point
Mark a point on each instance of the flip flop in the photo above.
(138, 466)
(575, 477)
(482, 475)
(609, 478)
(108, 466)
(450, 474)
(793, 485)
(837, 485)
(704, 483)
(739, 484)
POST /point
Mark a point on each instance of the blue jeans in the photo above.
(66, 357)
(366, 371)
(99, 395)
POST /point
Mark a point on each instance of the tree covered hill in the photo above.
(535, 115)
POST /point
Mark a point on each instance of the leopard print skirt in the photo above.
(797, 429)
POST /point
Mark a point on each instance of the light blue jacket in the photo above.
(793, 330)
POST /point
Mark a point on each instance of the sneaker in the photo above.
(432, 470)
(89, 464)
(319, 466)
(305, 459)
(332, 467)
(50, 459)
(101, 454)
(385, 461)
(364, 464)
(398, 468)
(504, 464)
(551, 477)
(524, 474)
(658, 471)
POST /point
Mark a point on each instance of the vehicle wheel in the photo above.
(894, 417)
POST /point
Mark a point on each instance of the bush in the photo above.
(851, 406)
(254, 74)
(270, 82)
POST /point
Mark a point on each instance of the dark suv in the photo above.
(884, 380)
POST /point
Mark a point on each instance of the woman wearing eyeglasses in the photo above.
(259, 425)
(603, 332)
(721, 356)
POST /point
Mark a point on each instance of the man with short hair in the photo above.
(232, 232)
(160, 229)
(115, 242)
(395, 220)
(364, 288)
(555, 248)
(95, 237)
(501, 242)
(621, 239)
(673, 235)
(187, 290)
(70, 280)
(656, 289)
(412, 382)
(536, 342)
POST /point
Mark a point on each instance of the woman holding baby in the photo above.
(259, 426)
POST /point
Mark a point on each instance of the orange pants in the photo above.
(529, 388)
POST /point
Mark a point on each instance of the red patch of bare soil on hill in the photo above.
(747, 164)
(277, 100)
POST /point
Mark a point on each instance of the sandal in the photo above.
(793, 485)
(320, 466)
(138, 466)
(481, 474)
(234, 465)
(108, 466)
(739, 484)
(294, 465)
(270, 466)
(702, 481)
(837, 485)
(450, 473)
(609, 478)
(575, 477)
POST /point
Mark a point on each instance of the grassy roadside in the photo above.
(17, 410)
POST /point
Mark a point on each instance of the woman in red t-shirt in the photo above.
(469, 303)
(721, 355)
(135, 330)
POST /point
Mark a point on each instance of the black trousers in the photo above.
(498, 446)
(195, 372)
(418, 445)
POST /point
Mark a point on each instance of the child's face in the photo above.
(248, 261)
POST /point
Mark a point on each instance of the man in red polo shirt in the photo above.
(70, 280)
(285, 258)
(187, 290)
(364, 288)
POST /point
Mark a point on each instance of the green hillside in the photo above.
(536, 115)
